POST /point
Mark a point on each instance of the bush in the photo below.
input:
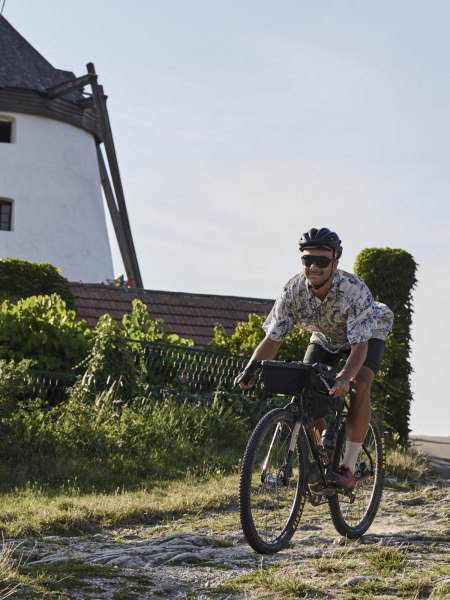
(15, 384)
(391, 276)
(110, 360)
(248, 334)
(42, 329)
(107, 444)
(138, 325)
(21, 279)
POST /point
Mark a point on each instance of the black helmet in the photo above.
(321, 237)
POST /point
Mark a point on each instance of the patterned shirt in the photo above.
(347, 315)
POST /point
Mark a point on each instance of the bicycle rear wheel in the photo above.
(353, 513)
(271, 500)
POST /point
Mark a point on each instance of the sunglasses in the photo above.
(320, 261)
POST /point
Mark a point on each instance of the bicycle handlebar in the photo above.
(248, 371)
(319, 368)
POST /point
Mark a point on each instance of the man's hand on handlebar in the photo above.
(244, 382)
(246, 379)
(340, 387)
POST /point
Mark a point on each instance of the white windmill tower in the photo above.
(56, 155)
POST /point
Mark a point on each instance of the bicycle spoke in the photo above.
(353, 512)
(271, 491)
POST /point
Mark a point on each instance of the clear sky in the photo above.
(240, 124)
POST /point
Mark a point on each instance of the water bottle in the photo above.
(329, 441)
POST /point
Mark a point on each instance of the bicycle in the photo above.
(288, 461)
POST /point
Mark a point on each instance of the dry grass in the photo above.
(35, 512)
(8, 571)
(407, 465)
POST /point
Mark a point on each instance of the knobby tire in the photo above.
(270, 507)
(352, 516)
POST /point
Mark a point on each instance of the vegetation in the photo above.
(391, 276)
(248, 334)
(44, 330)
(138, 325)
(132, 444)
(21, 279)
(104, 443)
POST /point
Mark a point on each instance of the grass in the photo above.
(67, 512)
(286, 582)
(69, 575)
(8, 571)
(206, 504)
(407, 465)
(339, 561)
(388, 560)
(57, 581)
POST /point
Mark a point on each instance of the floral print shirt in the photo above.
(348, 314)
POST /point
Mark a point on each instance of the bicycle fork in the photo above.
(285, 472)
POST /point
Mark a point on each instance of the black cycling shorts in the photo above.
(375, 351)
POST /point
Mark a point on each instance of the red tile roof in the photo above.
(191, 316)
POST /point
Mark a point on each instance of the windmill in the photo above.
(57, 154)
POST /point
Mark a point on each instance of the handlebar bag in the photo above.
(283, 377)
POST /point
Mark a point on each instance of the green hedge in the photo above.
(21, 279)
(391, 276)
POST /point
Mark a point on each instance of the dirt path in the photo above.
(406, 553)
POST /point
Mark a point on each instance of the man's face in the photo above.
(318, 274)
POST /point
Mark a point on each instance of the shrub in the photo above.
(248, 334)
(138, 325)
(42, 329)
(15, 384)
(391, 276)
(110, 360)
(21, 279)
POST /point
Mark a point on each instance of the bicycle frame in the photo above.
(323, 459)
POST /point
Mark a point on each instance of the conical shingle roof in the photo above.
(21, 66)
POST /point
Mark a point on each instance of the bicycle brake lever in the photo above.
(249, 371)
(322, 372)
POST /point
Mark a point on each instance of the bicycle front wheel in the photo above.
(353, 513)
(272, 490)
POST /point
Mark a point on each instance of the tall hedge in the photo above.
(390, 274)
(22, 279)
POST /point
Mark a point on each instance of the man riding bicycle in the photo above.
(345, 321)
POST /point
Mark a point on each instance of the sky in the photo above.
(240, 124)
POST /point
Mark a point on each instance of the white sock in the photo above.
(351, 455)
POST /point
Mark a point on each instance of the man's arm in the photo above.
(266, 350)
(355, 361)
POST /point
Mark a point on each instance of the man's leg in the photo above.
(356, 426)
(357, 422)
(358, 419)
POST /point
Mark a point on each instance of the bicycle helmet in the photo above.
(321, 237)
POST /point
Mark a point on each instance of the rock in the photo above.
(418, 501)
(355, 580)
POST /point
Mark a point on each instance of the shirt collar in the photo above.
(333, 291)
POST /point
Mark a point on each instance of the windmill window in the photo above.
(5, 132)
(5, 215)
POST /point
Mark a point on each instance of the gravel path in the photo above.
(201, 559)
